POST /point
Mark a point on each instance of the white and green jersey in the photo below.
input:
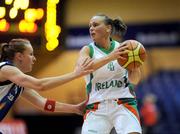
(108, 82)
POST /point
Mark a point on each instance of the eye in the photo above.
(95, 24)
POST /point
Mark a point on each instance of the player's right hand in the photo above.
(118, 52)
(85, 67)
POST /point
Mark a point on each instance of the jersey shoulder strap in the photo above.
(91, 50)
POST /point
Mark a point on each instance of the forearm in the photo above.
(49, 105)
(97, 63)
(43, 83)
(52, 82)
(135, 76)
(101, 62)
(65, 108)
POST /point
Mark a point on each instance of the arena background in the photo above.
(159, 18)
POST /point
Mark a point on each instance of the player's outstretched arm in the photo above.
(16, 76)
(97, 63)
(49, 105)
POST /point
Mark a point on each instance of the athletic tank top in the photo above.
(108, 82)
(9, 92)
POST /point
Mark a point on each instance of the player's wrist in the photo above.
(76, 109)
(109, 58)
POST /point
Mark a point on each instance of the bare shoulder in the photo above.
(5, 71)
(9, 68)
(84, 50)
(84, 53)
(8, 71)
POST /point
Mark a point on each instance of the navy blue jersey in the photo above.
(9, 92)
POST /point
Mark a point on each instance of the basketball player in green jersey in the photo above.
(111, 98)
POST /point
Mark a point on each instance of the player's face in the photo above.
(28, 59)
(98, 29)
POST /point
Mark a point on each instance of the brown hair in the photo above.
(118, 26)
(8, 50)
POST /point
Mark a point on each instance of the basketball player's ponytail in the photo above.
(119, 27)
(3, 51)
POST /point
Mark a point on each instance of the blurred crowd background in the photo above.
(58, 29)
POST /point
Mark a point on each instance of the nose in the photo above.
(34, 58)
(91, 29)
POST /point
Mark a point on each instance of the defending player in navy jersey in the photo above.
(16, 60)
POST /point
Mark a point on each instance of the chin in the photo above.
(28, 70)
(93, 39)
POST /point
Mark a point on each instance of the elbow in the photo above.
(40, 87)
(42, 104)
(41, 108)
(39, 104)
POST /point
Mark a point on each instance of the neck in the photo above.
(18, 65)
(104, 43)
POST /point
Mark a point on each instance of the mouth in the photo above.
(92, 34)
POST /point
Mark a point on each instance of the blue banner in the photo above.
(166, 34)
(150, 35)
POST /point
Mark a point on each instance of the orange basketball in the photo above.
(135, 57)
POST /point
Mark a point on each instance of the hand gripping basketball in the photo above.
(135, 57)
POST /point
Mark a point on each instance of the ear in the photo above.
(109, 28)
(19, 56)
